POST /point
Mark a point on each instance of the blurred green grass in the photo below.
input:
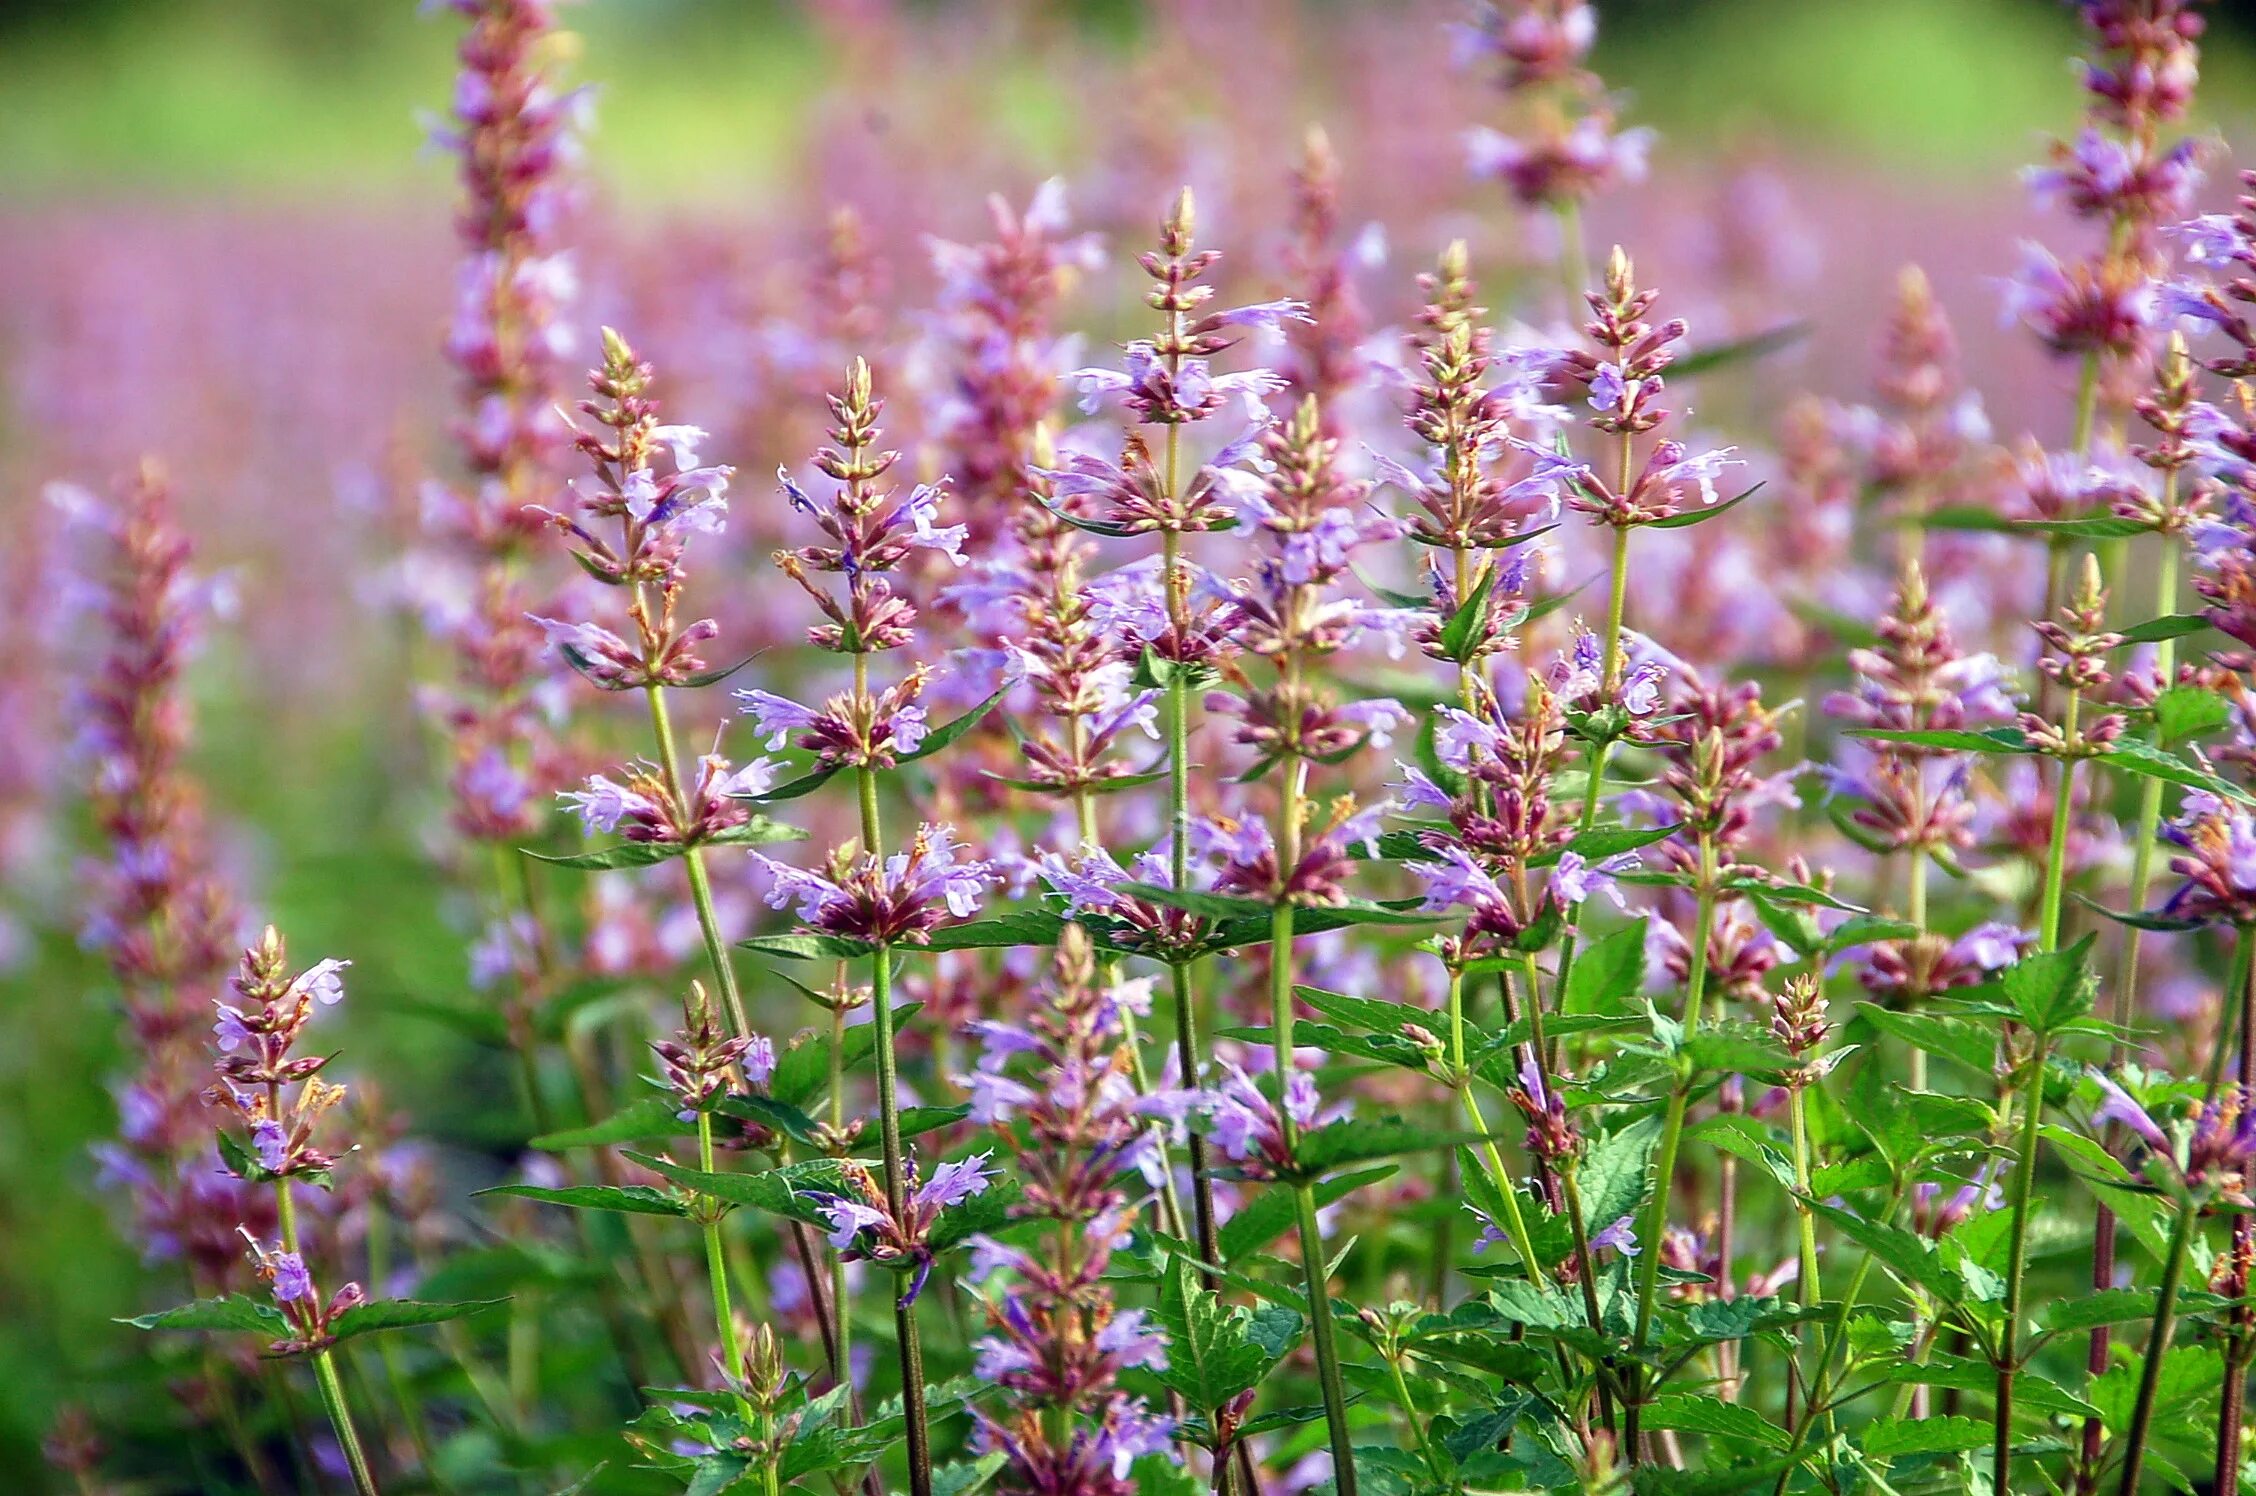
(320, 96)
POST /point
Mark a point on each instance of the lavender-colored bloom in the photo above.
(292, 1283)
(605, 802)
(954, 1183)
(2118, 1106)
(270, 1143)
(1574, 878)
(323, 981)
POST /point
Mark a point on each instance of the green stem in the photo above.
(2157, 1345)
(2150, 798)
(324, 1367)
(2056, 851)
(896, 1196)
(1680, 1095)
(1312, 1260)
(1327, 1347)
(2017, 1252)
(716, 1270)
(693, 860)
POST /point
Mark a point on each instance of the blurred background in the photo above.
(223, 239)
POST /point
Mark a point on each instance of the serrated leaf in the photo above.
(1467, 627)
(1358, 1140)
(1686, 518)
(1212, 1354)
(1740, 350)
(232, 1312)
(1956, 740)
(2183, 712)
(807, 947)
(794, 1191)
(651, 1117)
(1888, 1438)
(2051, 988)
(2134, 757)
(948, 732)
(629, 1199)
(2168, 626)
(1952, 1038)
(1736, 1422)
(1020, 927)
(1608, 972)
(803, 1070)
(403, 1314)
(1269, 1214)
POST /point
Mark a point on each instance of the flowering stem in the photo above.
(2231, 1407)
(1514, 1222)
(1178, 868)
(716, 1267)
(1132, 1039)
(2127, 973)
(324, 1366)
(1680, 1095)
(2017, 1251)
(840, 1348)
(2150, 796)
(2056, 853)
(1312, 1260)
(889, 1128)
(700, 888)
(2157, 1343)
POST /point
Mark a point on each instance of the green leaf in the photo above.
(1269, 1214)
(803, 1070)
(1888, 1438)
(1357, 1140)
(1953, 1038)
(1942, 1370)
(759, 831)
(1371, 1015)
(1036, 927)
(402, 1314)
(2189, 1379)
(1957, 740)
(2168, 626)
(1467, 628)
(806, 947)
(233, 1312)
(1617, 1172)
(1735, 1422)
(793, 789)
(2183, 712)
(651, 1117)
(714, 677)
(2109, 1306)
(2052, 988)
(1608, 973)
(967, 1476)
(793, 1191)
(2134, 757)
(948, 732)
(1212, 1352)
(1740, 350)
(1685, 518)
(1910, 1257)
(631, 1199)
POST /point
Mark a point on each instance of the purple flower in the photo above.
(292, 1283)
(952, 1184)
(605, 803)
(1575, 878)
(322, 982)
(2117, 1106)
(271, 1144)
